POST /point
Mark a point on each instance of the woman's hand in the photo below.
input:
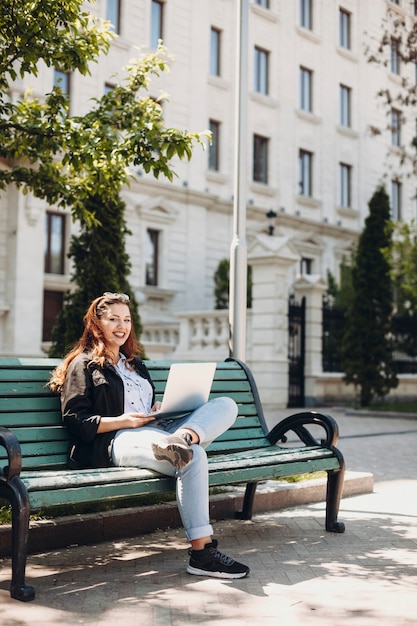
(135, 420)
(126, 420)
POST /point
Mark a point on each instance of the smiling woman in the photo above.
(107, 401)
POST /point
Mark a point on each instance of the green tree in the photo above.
(222, 285)
(367, 351)
(404, 268)
(340, 293)
(398, 42)
(67, 159)
(100, 264)
(81, 162)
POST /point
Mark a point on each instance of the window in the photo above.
(156, 22)
(261, 71)
(344, 29)
(306, 18)
(263, 3)
(414, 140)
(260, 159)
(395, 127)
(54, 261)
(213, 154)
(215, 52)
(415, 7)
(62, 80)
(306, 83)
(113, 14)
(345, 105)
(395, 200)
(52, 305)
(305, 163)
(152, 253)
(306, 266)
(108, 87)
(345, 185)
(395, 56)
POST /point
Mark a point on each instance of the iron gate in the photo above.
(296, 351)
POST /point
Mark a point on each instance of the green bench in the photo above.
(33, 451)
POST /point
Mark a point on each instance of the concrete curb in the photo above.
(61, 532)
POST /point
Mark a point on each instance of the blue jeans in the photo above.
(133, 448)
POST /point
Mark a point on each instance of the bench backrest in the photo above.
(32, 411)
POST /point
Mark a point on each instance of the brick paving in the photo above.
(300, 575)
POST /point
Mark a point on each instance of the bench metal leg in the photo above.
(20, 531)
(335, 480)
(246, 512)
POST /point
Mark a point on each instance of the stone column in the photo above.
(312, 288)
(270, 258)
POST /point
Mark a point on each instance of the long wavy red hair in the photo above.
(92, 340)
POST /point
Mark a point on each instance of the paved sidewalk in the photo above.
(300, 575)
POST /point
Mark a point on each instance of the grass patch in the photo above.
(300, 477)
(397, 407)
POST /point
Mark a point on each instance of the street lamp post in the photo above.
(238, 249)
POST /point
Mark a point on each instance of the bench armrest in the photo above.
(9, 441)
(298, 423)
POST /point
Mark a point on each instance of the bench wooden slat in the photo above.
(21, 404)
(31, 418)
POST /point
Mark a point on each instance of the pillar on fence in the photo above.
(270, 258)
(312, 287)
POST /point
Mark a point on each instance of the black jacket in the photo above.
(90, 392)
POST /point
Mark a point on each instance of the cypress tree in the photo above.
(100, 263)
(367, 349)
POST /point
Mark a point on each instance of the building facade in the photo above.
(313, 163)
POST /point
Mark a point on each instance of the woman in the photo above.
(107, 400)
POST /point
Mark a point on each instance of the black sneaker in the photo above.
(211, 562)
(175, 449)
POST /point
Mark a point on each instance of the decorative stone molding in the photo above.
(34, 208)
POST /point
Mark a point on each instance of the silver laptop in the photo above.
(188, 387)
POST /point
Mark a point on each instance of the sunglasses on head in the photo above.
(123, 297)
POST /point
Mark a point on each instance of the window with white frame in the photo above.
(113, 10)
(306, 266)
(63, 81)
(345, 106)
(260, 159)
(395, 59)
(306, 89)
(395, 200)
(54, 252)
(345, 198)
(52, 305)
(344, 28)
(157, 17)
(263, 3)
(260, 78)
(305, 169)
(395, 127)
(215, 43)
(151, 258)
(306, 14)
(213, 151)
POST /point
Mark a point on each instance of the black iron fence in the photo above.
(404, 335)
(296, 351)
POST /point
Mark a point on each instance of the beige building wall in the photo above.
(194, 214)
